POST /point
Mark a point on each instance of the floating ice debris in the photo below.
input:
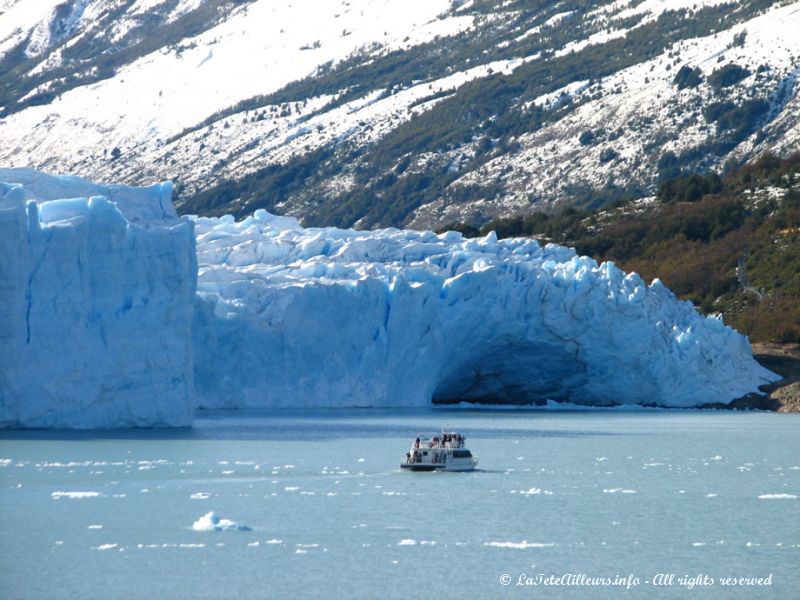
(519, 545)
(619, 491)
(105, 547)
(698, 544)
(717, 457)
(94, 527)
(407, 542)
(534, 491)
(211, 522)
(291, 488)
(148, 546)
(777, 497)
(200, 496)
(711, 495)
(75, 495)
(274, 541)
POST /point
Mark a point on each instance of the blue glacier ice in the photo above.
(115, 312)
(97, 287)
(293, 317)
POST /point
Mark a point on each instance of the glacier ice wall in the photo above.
(295, 317)
(97, 288)
(114, 312)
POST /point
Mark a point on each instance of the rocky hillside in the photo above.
(365, 113)
(729, 244)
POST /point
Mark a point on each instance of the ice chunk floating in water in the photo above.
(75, 495)
(107, 320)
(211, 522)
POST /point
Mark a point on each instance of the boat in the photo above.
(442, 452)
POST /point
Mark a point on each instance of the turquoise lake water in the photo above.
(649, 504)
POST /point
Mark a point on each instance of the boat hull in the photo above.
(432, 467)
(417, 467)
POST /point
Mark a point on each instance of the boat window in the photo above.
(462, 454)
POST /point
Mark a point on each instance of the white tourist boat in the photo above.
(443, 452)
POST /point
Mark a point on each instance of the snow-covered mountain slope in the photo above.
(367, 113)
(329, 317)
(97, 289)
(241, 49)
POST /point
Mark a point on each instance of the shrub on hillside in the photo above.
(727, 76)
(689, 188)
(688, 77)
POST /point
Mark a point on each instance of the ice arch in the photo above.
(511, 371)
(289, 316)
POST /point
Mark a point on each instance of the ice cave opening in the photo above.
(512, 370)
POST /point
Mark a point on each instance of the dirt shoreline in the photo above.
(784, 395)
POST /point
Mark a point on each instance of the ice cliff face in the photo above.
(97, 287)
(288, 316)
(113, 314)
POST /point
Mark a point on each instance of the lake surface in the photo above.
(564, 505)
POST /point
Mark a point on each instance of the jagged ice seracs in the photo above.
(114, 312)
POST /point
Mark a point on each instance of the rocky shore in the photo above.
(784, 395)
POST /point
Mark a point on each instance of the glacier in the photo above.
(295, 317)
(97, 287)
(115, 312)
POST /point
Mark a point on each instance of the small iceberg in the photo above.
(211, 522)
(523, 545)
(75, 495)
